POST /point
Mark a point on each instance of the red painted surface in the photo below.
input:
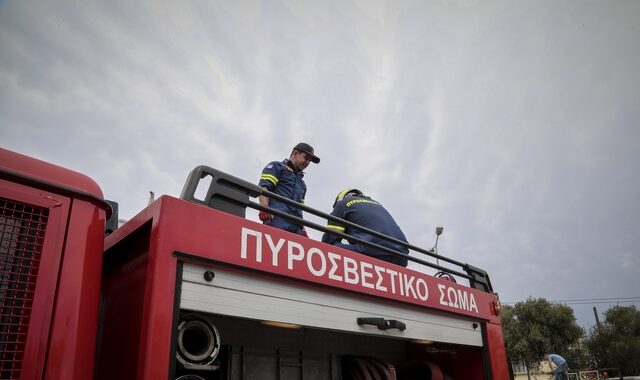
(123, 288)
(45, 171)
(139, 290)
(74, 327)
(62, 328)
(172, 225)
(45, 290)
(496, 350)
(211, 234)
(140, 274)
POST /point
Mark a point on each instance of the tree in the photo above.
(616, 341)
(536, 327)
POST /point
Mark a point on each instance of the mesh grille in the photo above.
(22, 229)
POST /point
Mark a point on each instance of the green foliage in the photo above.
(536, 327)
(578, 357)
(616, 342)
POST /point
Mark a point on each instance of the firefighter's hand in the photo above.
(264, 216)
(303, 232)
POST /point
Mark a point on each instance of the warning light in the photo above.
(497, 306)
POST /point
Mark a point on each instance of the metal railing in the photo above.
(233, 195)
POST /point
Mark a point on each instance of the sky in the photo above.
(513, 124)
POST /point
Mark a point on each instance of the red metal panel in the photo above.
(227, 238)
(497, 354)
(62, 327)
(73, 332)
(50, 248)
(179, 226)
(29, 166)
(138, 289)
(159, 303)
(123, 288)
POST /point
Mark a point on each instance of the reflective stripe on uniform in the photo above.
(334, 227)
(270, 178)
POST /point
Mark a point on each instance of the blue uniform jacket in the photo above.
(284, 179)
(368, 213)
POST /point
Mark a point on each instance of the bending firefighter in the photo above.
(352, 205)
(285, 179)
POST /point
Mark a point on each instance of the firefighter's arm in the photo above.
(334, 226)
(330, 238)
(264, 201)
(268, 180)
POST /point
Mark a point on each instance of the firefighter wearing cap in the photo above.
(355, 207)
(286, 179)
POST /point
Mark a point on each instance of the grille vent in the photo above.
(22, 230)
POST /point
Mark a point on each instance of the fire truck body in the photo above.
(192, 290)
(52, 236)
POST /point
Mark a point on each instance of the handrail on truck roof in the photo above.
(233, 195)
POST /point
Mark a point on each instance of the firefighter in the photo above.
(285, 179)
(352, 205)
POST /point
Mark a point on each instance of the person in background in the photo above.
(285, 179)
(353, 206)
(559, 366)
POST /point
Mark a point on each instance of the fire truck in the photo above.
(191, 289)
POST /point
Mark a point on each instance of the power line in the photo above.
(593, 301)
(589, 301)
(598, 302)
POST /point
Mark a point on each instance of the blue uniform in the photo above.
(368, 213)
(284, 179)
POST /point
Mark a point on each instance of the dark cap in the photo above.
(308, 149)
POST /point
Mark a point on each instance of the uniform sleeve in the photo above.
(338, 211)
(270, 176)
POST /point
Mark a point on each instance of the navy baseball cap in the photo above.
(308, 149)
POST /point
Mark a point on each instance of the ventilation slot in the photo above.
(22, 230)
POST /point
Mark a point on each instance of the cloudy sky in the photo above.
(514, 124)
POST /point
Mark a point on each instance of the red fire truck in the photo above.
(190, 289)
